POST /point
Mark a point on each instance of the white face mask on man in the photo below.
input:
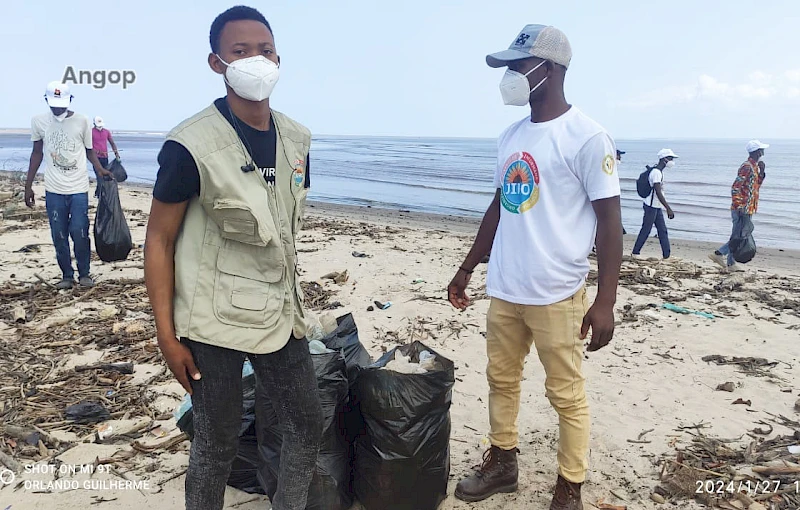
(515, 89)
(670, 164)
(61, 117)
(252, 78)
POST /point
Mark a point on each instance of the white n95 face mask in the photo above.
(670, 164)
(61, 117)
(515, 89)
(252, 78)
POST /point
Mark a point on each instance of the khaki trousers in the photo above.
(555, 330)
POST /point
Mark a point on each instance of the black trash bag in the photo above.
(118, 171)
(87, 412)
(330, 485)
(743, 249)
(742, 244)
(345, 338)
(112, 238)
(402, 461)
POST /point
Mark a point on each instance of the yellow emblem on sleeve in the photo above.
(608, 164)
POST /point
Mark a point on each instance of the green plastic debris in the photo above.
(685, 311)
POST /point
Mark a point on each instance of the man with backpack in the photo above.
(744, 204)
(650, 186)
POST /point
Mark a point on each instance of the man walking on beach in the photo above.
(221, 265)
(744, 202)
(655, 203)
(557, 190)
(63, 139)
(101, 137)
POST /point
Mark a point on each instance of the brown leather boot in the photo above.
(567, 496)
(498, 473)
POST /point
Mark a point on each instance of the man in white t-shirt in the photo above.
(557, 193)
(655, 203)
(63, 139)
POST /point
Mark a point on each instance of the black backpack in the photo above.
(643, 187)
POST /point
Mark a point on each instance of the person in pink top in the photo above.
(101, 137)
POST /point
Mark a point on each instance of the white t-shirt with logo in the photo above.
(548, 174)
(656, 176)
(65, 145)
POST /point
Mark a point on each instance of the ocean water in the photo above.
(454, 176)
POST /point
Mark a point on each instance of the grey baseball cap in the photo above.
(548, 43)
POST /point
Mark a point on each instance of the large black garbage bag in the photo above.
(743, 249)
(402, 461)
(118, 171)
(330, 485)
(245, 466)
(112, 238)
(345, 338)
(742, 244)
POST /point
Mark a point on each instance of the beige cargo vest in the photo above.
(235, 259)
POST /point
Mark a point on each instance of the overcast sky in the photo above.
(676, 69)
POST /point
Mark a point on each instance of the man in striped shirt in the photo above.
(744, 201)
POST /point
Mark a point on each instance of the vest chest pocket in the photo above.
(237, 222)
(249, 290)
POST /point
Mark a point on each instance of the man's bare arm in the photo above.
(609, 248)
(600, 317)
(37, 155)
(159, 275)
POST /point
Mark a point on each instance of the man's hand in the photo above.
(30, 199)
(670, 213)
(180, 361)
(456, 291)
(600, 318)
(116, 154)
(102, 172)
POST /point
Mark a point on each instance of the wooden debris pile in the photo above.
(42, 331)
(347, 228)
(318, 297)
(725, 473)
(758, 367)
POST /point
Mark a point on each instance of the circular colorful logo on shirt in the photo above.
(520, 190)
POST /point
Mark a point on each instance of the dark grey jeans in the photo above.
(217, 417)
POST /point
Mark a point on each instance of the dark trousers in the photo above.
(217, 417)
(653, 216)
(69, 217)
(103, 161)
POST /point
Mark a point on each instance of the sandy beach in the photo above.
(651, 392)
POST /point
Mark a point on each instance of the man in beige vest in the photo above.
(221, 265)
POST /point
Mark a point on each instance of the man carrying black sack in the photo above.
(221, 265)
(744, 203)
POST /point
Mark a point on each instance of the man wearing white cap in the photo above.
(557, 192)
(654, 205)
(744, 201)
(101, 137)
(63, 139)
